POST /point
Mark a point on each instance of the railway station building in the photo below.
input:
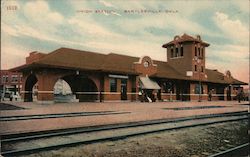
(94, 76)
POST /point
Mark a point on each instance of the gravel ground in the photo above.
(194, 142)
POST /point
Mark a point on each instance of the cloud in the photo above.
(107, 4)
(229, 27)
(12, 55)
(87, 26)
(41, 15)
(9, 30)
(229, 57)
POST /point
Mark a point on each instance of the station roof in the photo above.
(66, 58)
(184, 38)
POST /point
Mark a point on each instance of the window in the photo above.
(14, 79)
(113, 85)
(21, 78)
(176, 52)
(3, 79)
(172, 52)
(168, 87)
(181, 51)
(195, 67)
(6, 79)
(202, 52)
(202, 70)
(199, 52)
(195, 52)
(198, 89)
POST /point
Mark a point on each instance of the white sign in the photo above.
(189, 73)
(119, 76)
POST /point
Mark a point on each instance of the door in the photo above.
(229, 93)
(123, 89)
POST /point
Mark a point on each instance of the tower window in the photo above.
(199, 52)
(176, 52)
(195, 52)
(195, 67)
(202, 52)
(202, 69)
(181, 51)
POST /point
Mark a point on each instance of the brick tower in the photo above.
(187, 55)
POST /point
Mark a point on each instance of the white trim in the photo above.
(131, 93)
(45, 91)
(177, 57)
(168, 94)
(196, 94)
(111, 93)
(26, 91)
(87, 92)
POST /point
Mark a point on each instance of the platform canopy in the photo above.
(147, 83)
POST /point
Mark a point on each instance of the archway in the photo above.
(62, 91)
(29, 91)
(82, 87)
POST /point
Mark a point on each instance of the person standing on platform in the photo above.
(210, 95)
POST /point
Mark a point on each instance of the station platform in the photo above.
(126, 112)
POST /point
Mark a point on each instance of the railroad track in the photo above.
(18, 144)
(239, 151)
(58, 115)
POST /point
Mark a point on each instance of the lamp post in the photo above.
(198, 60)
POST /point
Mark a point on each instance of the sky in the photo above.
(106, 26)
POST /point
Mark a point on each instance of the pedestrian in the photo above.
(11, 96)
(210, 95)
(239, 95)
(140, 96)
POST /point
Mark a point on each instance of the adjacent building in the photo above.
(107, 77)
(10, 82)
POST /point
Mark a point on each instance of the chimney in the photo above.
(34, 56)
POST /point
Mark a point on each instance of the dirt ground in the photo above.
(192, 142)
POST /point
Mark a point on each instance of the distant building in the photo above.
(105, 77)
(10, 81)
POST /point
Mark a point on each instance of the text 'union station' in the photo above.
(103, 77)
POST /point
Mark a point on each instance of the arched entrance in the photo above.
(62, 92)
(29, 84)
(82, 87)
